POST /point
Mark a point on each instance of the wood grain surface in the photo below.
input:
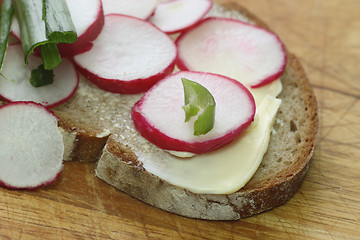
(325, 35)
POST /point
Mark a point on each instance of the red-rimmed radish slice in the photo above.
(159, 116)
(31, 146)
(15, 80)
(88, 19)
(129, 56)
(232, 48)
(177, 15)
(140, 8)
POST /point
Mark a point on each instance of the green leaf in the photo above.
(198, 101)
(58, 23)
(41, 77)
(6, 13)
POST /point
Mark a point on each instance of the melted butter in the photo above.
(181, 154)
(272, 89)
(230, 168)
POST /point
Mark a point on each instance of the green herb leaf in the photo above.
(198, 98)
(41, 77)
(58, 23)
(6, 13)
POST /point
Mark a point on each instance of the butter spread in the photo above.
(231, 167)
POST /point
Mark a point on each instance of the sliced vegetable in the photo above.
(31, 146)
(232, 48)
(33, 33)
(140, 8)
(6, 13)
(58, 22)
(127, 61)
(41, 77)
(50, 56)
(88, 19)
(159, 116)
(15, 84)
(178, 15)
(198, 98)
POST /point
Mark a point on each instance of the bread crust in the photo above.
(260, 194)
(278, 178)
(276, 181)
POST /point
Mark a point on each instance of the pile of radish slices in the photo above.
(127, 47)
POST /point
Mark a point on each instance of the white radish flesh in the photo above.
(129, 56)
(88, 19)
(15, 80)
(140, 8)
(31, 146)
(232, 48)
(159, 116)
(177, 15)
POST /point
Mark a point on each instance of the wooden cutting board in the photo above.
(326, 37)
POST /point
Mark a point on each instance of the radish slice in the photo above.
(177, 15)
(159, 116)
(232, 48)
(15, 80)
(129, 56)
(88, 19)
(140, 8)
(31, 146)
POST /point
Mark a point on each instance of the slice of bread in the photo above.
(97, 126)
(275, 182)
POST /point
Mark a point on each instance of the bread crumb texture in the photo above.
(99, 127)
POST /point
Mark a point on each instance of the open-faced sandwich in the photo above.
(193, 107)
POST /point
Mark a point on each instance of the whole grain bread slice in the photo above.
(97, 126)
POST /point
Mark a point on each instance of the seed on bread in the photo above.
(276, 180)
